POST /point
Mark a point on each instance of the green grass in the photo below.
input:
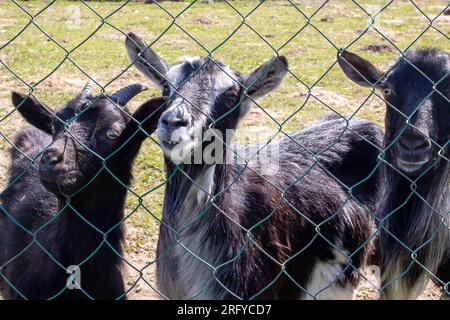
(312, 56)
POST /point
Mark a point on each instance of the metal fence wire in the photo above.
(306, 20)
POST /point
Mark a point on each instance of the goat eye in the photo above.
(386, 92)
(231, 95)
(112, 134)
(166, 92)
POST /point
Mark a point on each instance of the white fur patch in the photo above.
(206, 185)
(323, 284)
(193, 278)
(173, 76)
(223, 80)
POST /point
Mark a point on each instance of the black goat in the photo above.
(62, 210)
(256, 230)
(414, 216)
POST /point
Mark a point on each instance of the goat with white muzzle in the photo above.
(230, 230)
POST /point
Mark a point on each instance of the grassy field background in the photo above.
(79, 37)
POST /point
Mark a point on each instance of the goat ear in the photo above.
(147, 115)
(146, 60)
(359, 70)
(144, 123)
(262, 80)
(33, 111)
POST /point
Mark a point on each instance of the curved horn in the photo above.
(124, 95)
(87, 90)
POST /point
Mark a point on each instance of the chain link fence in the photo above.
(50, 49)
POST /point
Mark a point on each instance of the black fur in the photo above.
(414, 223)
(414, 220)
(38, 227)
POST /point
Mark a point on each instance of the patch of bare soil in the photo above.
(55, 82)
(367, 289)
(8, 129)
(377, 48)
(327, 19)
(329, 97)
(432, 292)
(202, 20)
(111, 34)
(442, 22)
(388, 33)
(326, 96)
(296, 51)
(4, 163)
(139, 272)
(257, 119)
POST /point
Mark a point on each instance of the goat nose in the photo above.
(173, 120)
(51, 157)
(414, 141)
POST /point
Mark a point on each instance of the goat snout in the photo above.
(413, 143)
(413, 151)
(174, 128)
(51, 157)
(174, 119)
